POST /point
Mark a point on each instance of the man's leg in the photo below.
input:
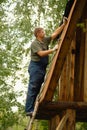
(36, 80)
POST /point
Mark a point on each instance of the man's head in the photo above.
(39, 32)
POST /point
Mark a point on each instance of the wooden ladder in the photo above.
(31, 119)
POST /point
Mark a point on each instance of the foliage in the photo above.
(81, 126)
(43, 125)
(10, 56)
(1, 1)
(40, 125)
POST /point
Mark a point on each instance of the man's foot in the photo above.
(29, 113)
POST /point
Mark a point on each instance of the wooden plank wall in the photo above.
(67, 85)
(66, 91)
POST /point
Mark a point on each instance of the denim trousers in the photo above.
(37, 73)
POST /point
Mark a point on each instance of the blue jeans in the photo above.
(37, 73)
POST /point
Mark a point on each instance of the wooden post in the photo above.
(63, 121)
(54, 122)
(68, 119)
(85, 66)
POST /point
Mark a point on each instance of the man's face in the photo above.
(41, 34)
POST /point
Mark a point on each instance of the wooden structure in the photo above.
(68, 74)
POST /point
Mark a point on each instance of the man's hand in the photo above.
(55, 47)
(65, 20)
(59, 29)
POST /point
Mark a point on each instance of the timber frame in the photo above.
(68, 73)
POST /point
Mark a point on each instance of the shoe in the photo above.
(29, 113)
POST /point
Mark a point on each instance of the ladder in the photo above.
(31, 120)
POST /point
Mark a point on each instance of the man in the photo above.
(38, 63)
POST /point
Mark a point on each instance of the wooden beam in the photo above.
(48, 110)
(60, 56)
(63, 105)
(63, 121)
(67, 121)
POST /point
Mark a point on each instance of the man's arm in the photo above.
(59, 30)
(43, 53)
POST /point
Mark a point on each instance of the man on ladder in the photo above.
(38, 63)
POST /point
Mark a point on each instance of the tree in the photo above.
(10, 56)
